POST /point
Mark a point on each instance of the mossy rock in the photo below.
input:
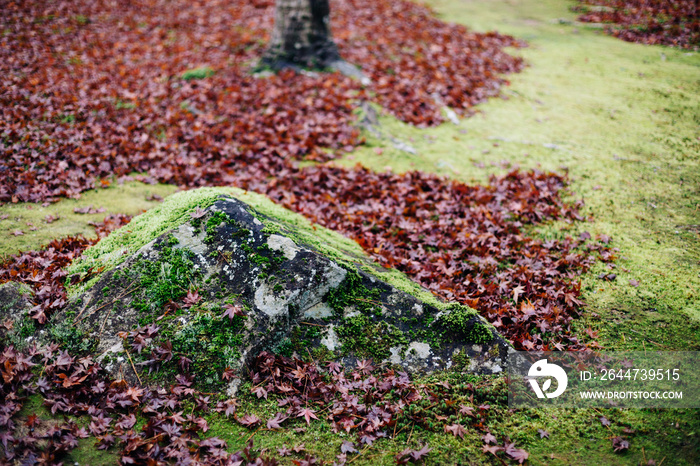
(306, 292)
(16, 327)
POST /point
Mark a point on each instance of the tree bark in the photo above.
(301, 37)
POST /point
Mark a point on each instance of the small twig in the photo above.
(315, 325)
(499, 459)
(396, 433)
(132, 365)
(102, 327)
(104, 322)
(310, 355)
(429, 407)
(359, 454)
(224, 257)
(251, 435)
(167, 311)
(368, 301)
(650, 341)
(608, 427)
(322, 410)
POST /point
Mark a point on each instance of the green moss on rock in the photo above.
(72, 338)
(175, 210)
(352, 292)
(166, 279)
(366, 338)
(216, 219)
(122, 243)
(462, 322)
(212, 343)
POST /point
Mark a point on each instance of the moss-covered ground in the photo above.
(624, 119)
(131, 198)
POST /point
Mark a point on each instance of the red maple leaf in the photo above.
(276, 421)
(192, 298)
(308, 414)
(233, 310)
(518, 454)
(456, 429)
(249, 420)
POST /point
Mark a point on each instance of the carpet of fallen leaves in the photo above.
(44, 270)
(93, 89)
(464, 243)
(664, 22)
(74, 386)
(367, 403)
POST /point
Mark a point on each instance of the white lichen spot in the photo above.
(187, 239)
(420, 349)
(115, 348)
(232, 388)
(496, 368)
(331, 340)
(493, 366)
(256, 221)
(332, 275)
(395, 357)
(273, 303)
(418, 309)
(283, 244)
(318, 311)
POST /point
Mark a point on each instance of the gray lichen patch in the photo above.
(330, 340)
(299, 300)
(187, 238)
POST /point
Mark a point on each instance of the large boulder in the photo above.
(218, 275)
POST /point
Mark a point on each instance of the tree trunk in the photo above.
(301, 37)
